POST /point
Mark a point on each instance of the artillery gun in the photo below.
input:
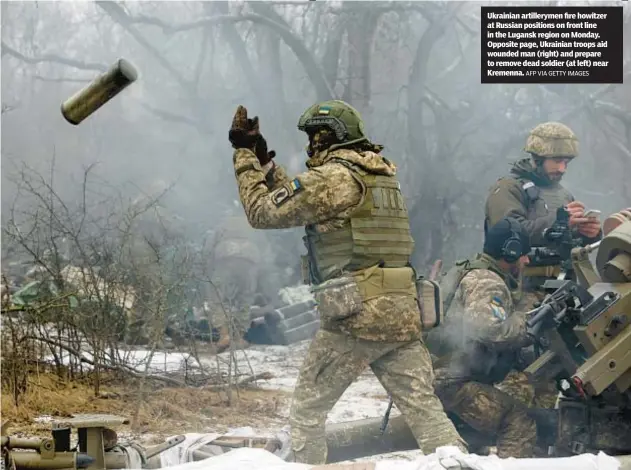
(588, 345)
(97, 447)
(584, 329)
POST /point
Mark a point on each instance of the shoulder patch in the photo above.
(498, 308)
(285, 192)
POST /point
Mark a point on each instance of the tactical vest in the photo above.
(541, 202)
(377, 232)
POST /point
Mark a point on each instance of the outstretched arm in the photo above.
(314, 196)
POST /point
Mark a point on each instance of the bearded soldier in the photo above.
(533, 193)
(478, 343)
(359, 245)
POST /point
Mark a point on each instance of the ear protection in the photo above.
(512, 248)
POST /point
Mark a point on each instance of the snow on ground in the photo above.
(365, 398)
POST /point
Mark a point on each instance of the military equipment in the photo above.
(552, 140)
(378, 232)
(584, 328)
(97, 447)
(560, 241)
(338, 116)
(44, 456)
(102, 89)
(586, 423)
(278, 446)
(284, 325)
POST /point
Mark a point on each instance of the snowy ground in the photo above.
(365, 398)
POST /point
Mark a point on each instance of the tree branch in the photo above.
(53, 58)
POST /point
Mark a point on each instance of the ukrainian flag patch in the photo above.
(324, 110)
(286, 191)
(295, 184)
(498, 309)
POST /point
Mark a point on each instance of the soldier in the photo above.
(533, 193)
(359, 244)
(480, 338)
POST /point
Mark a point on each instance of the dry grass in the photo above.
(164, 411)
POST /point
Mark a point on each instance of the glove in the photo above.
(245, 133)
(260, 150)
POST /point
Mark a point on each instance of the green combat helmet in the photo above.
(552, 140)
(338, 116)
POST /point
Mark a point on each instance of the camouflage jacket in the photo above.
(482, 329)
(326, 194)
(535, 208)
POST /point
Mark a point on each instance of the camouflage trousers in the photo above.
(542, 395)
(490, 411)
(335, 360)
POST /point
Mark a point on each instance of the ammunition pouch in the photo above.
(355, 304)
(430, 302)
(338, 299)
(376, 282)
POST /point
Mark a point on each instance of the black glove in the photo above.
(245, 133)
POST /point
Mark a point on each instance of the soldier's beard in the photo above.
(555, 177)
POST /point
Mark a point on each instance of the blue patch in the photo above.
(498, 309)
(295, 185)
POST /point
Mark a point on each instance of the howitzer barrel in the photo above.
(59, 460)
(24, 443)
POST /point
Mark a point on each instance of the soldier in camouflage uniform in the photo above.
(359, 244)
(480, 337)
(532, 194)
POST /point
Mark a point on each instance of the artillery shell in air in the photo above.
(102, 89)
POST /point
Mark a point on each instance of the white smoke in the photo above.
(295, 294)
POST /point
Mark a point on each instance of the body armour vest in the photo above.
(544, 200)
(377, 233)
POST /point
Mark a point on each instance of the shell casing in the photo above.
(102, 89)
